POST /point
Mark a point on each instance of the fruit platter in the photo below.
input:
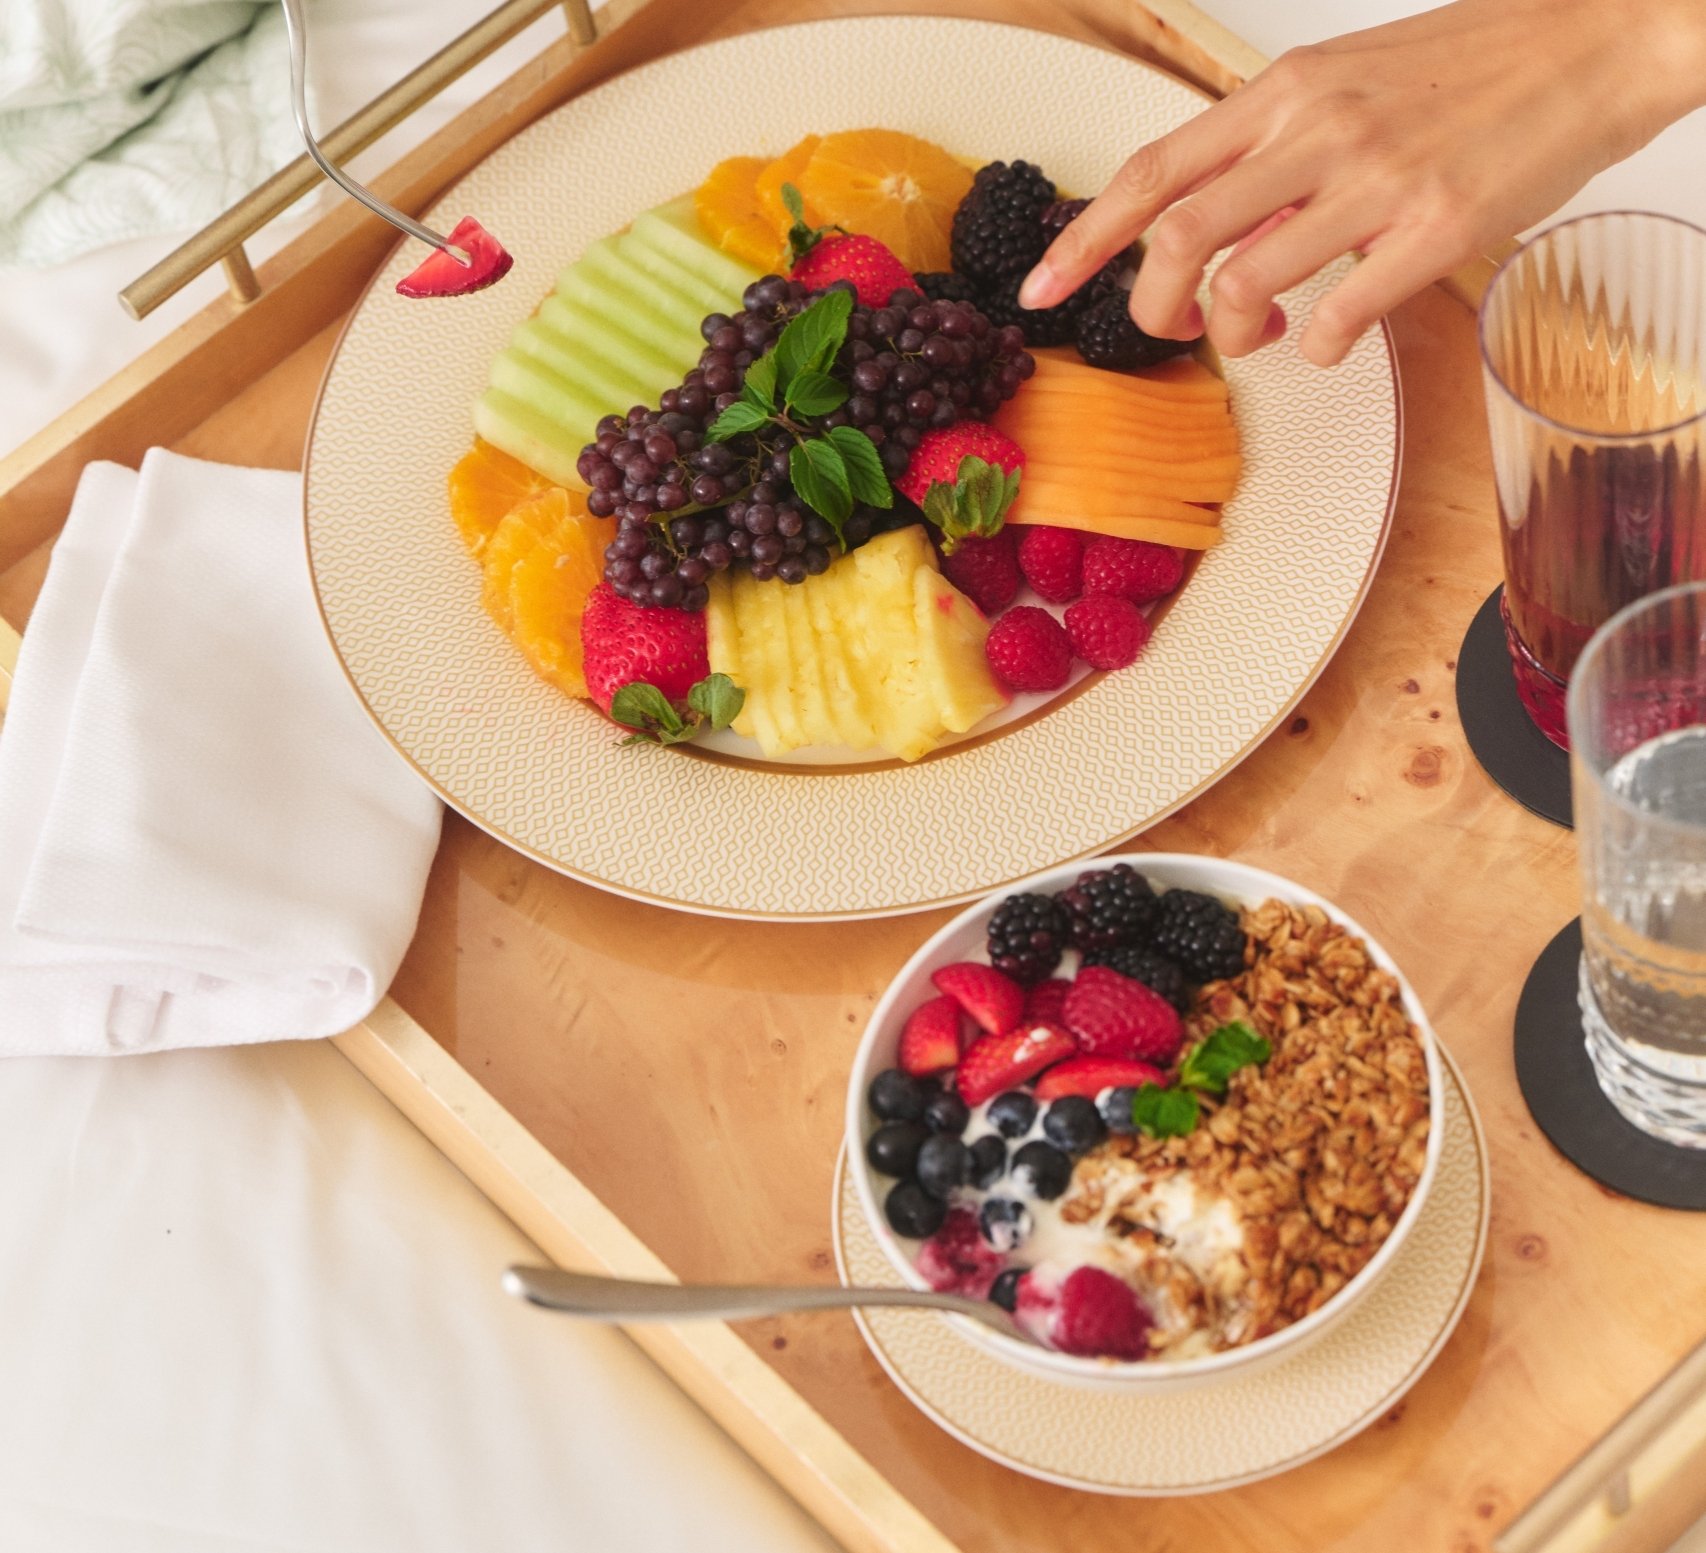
(753, 469)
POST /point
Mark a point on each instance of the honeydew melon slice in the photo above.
(567, 404)
(601, 336)
(641, 257)
(658, 319)
(674, 229)
(606, 382)
(522, 432)
(605, 263)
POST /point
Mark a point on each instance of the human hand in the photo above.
(1420, 144)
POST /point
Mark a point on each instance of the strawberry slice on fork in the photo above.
(440, 275)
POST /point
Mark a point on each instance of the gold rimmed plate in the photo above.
(1214, 1436)
(737, 836)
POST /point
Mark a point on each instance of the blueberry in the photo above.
(943, 1163)
(1005, 1224)
(893, 1147)
(896, 1096)
(988, 1160)
(1011, 1114)
(912, 1211)
(1005, 1290)
(944, 1111)
(1115, 1106)
(1042, 1169)
(1073, 1123)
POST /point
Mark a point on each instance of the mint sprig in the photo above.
(1174, 1112)
(713, 703)
(791, 384)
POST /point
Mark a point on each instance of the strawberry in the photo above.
(965, 477)
(1131, 568)
(439, 275)
(995, 1001)
(985, 570)
(824, 255)
(1045, 1001)
(999, 1062)
(622, 643)
(1089, 1076)
(1106, 631)
(1114, 1016)
(1052, 560)
(1029, 649)
(955, 1259)
(930, 1042)
(1091, 1313)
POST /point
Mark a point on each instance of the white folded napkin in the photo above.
(203, 841)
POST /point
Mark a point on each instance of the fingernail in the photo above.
(1038, 289)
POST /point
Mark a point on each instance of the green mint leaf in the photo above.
(740, 416)
(819, 476)
(812, 338)
(1213, 1060)
(758, 387)
(815, 393)
(718, 699)
(646, 708)
(865, 472)
(1165, 1113)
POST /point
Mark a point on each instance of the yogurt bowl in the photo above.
(1239, 1242)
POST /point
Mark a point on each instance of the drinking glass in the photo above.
(1593, 354)
(1637, 725)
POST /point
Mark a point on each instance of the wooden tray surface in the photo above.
(690, 1072)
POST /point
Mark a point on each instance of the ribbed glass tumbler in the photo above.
(1593, 352)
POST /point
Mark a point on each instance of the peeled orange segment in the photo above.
(894, 187)
(523, 529)
(785, 169)
(728, 209)
(485, 484)
(548, 588)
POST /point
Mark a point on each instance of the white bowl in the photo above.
(963, 939)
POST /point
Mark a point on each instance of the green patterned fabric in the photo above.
(127, 118)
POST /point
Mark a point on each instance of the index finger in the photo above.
(1148, 181)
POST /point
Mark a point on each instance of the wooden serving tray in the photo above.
(659, 1094)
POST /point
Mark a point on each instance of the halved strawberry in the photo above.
(439, 275)
(930, 1043)
(1089, 1076)
(999, 1062)
(1045, 1001)
(995, 1001)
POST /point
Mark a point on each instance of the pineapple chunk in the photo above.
(832, 603)
(806, 688)
(722, 629)
(952, 632)
(890, 668)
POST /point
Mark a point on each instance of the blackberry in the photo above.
(1143, 964)
(1060, 215)
(1108, 906)
(1049, 325)
(1107, 337)
(1027, 936)
(946, 286)
(998, 232)
(1201, 933)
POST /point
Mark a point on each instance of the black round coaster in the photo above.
(1512, 751)
(1557, 1079)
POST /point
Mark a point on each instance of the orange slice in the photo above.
(728, 209)
(894, 187)
(785, 169)
(543, 560)
(484, 485)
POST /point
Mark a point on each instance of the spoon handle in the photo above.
(297, 33)
(626, 1300)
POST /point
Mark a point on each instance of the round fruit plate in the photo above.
(1046, 780)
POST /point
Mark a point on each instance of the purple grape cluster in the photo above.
(686, 508)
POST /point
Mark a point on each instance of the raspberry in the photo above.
(1052, 560)
(1107, 632)
(1131, 569)
(1045, 1003)
(985, 570)
(1114, 1016)
(955, 1259)
(1100, 1316)
(1029, 649)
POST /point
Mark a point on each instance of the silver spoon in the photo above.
(623, 1300)
(297, 33)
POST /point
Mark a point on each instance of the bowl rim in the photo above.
(1174, 1371)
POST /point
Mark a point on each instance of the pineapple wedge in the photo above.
(951, 631)
(888, 651)
(833, 601)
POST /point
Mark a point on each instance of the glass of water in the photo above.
(1637, 726)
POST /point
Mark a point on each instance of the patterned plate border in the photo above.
(1241, 646)
(1263, 1416)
